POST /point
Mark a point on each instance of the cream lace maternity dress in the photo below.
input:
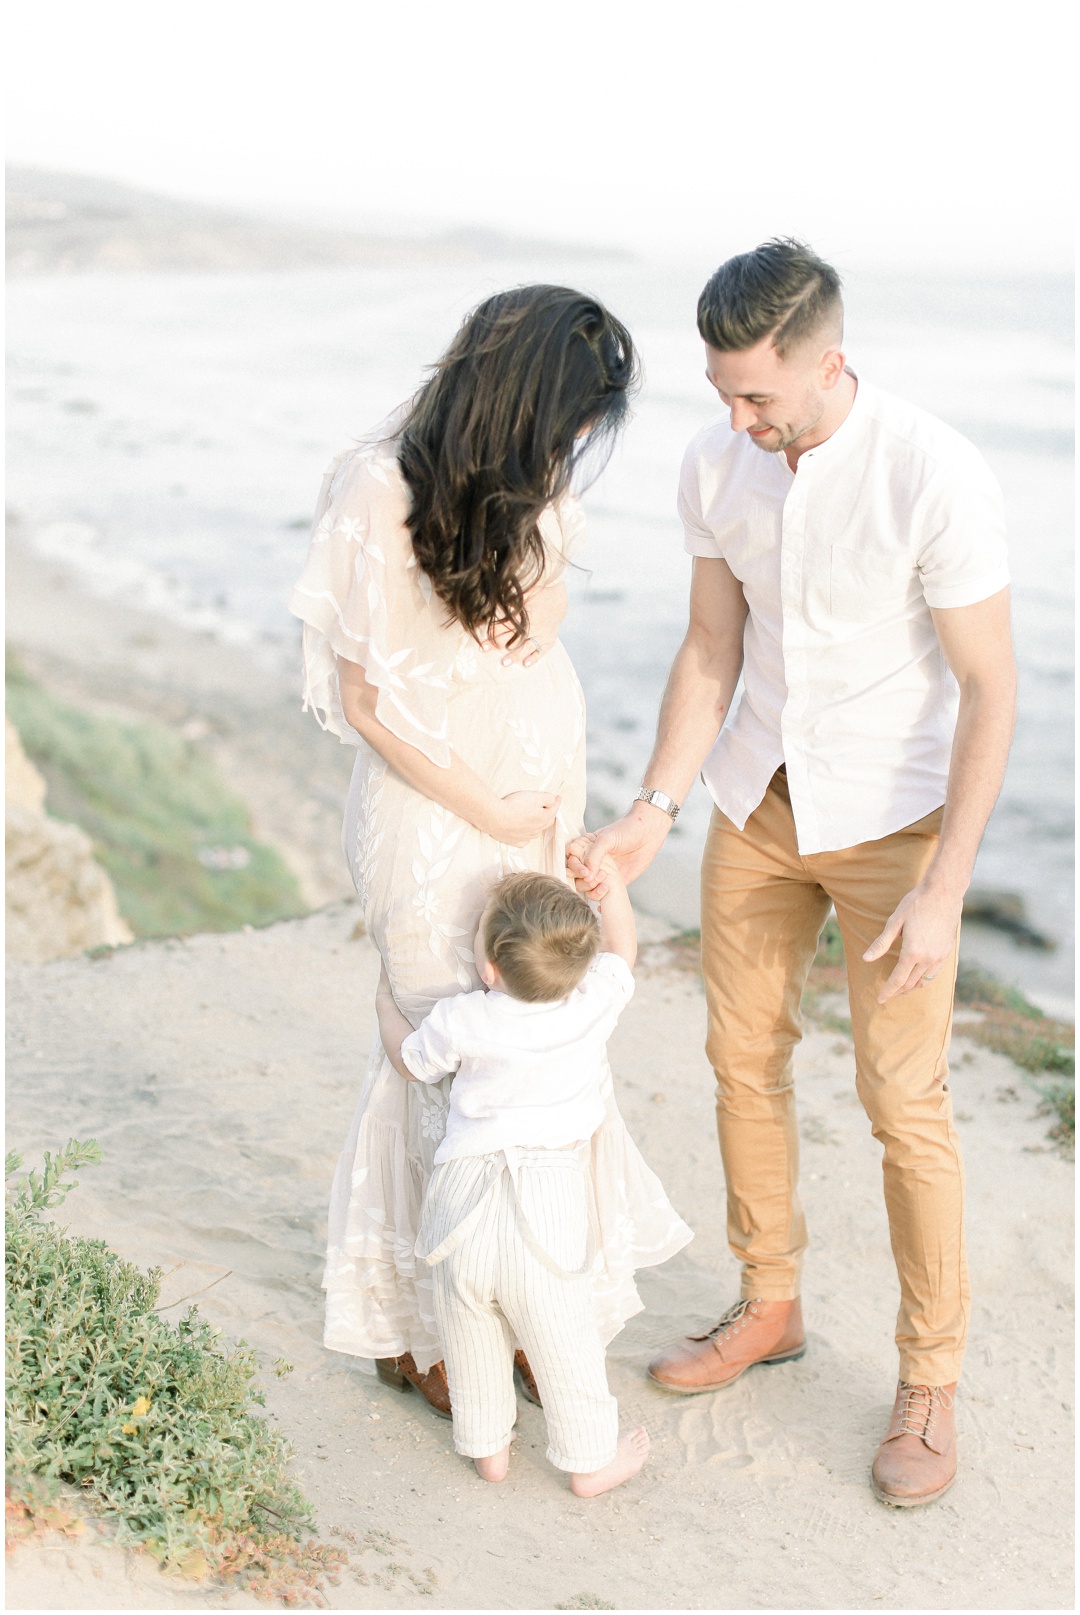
(421, 874)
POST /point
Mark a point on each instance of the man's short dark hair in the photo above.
(781, 290)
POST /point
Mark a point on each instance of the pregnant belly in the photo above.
(520, 729)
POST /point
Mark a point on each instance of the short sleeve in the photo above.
(962, 555)
(431, 1052)
(697, 538)
(364, 597)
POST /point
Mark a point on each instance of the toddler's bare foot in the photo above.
(495, 1467)
(630, 1454)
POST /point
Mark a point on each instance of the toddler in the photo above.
(507, 1222)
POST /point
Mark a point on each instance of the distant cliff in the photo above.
(61, 223)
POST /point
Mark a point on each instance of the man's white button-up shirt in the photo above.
(843, 677)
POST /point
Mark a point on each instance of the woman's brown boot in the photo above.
(403, 1374)
(526, 1378)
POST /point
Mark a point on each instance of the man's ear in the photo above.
(831, 367)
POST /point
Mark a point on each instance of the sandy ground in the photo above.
(219, 1073)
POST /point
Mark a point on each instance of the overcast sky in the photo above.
(915, 135)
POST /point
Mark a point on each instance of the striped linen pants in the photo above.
(508, 1239)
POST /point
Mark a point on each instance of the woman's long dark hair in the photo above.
(533, 379)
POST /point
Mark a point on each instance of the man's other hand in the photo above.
(926, 921)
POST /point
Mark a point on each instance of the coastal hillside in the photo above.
(60, 902)
(62, 223)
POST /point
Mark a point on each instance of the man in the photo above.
(849, 562)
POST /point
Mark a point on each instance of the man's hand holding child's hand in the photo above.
(593, 884)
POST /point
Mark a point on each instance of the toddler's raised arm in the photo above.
(618, 932)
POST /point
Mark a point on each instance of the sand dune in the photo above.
(219, 1074)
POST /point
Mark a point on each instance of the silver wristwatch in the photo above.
(658, 799)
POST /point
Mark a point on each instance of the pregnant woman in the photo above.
(431, 603)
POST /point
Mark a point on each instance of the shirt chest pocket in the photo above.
(864, 585)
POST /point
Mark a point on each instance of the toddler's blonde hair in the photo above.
(540, 935)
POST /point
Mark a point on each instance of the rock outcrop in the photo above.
(59, 899)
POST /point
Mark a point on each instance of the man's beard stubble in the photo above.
(793, 436)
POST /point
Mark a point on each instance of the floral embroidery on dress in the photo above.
(536, 751)
(381, 466)
(434, 1107)
(467, 661)
(436, 843)
(369, 828)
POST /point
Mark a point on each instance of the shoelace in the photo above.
(731, 1322)
(919, 1408)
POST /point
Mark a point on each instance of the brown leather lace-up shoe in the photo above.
(403, 1374)
(916, 1462)
(749, 1332)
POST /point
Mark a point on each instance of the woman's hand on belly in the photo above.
(522, 816)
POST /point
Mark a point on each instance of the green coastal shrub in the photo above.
(1059, 1101)
(156, 1422)
(171, 834)
(1036, 1042)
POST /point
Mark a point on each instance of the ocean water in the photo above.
(167, 436)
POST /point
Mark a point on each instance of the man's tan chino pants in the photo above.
(763, 907)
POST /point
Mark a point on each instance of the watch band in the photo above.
(658, 799)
